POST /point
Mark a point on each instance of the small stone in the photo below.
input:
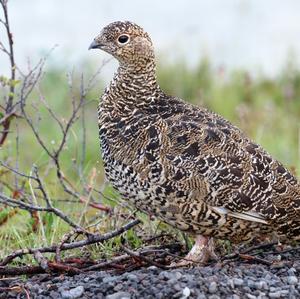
(57, 279)
(267, 277)
(247, 289)
(152, 268)
(238, 281)
(172, 281)
(73, 293)
(35, 287)
(177, 287)
(251, 283)
(118, 287)
(119, 295)
(292, 271)
(230, 283)
(178, 275)
(292, 280)
(261, 285)
(275, 294)
(159, 295)
(53, 295)
(250, 296)
(186, 292)
(177, 295)
(212, 287)
(145, 283)
(132, 277)
(160, 286)
(165, 275)
(108, 279)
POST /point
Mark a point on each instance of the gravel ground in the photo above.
(230, 280)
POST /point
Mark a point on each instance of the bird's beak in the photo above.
(95, 45)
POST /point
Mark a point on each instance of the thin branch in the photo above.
(34, 207)
(17, 172)
(10, 53)
(91, 239)
(83, 154)
(122, 262)
(142, 257)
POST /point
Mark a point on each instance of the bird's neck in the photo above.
(133, 86)
(138, 74)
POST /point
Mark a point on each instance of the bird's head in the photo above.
(127, 42)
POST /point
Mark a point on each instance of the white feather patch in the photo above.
(249, 215)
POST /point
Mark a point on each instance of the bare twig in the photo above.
(91, 239)
(252, 258)
(10, 53)
(56, 211)
(248, 250)
(41, 260)
(64, 240)
(134, 259)
(34, 207)
(141, 257)
(33, 193)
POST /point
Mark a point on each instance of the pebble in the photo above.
(275, 294)
(109, 279)
(212, 287)
(292, 271)
(119, 295)
(231, 281)
(73, 293)
(185, 293)
(261, 285)
(132, 277)
(292, 280)
(178, 275)
(238, 281)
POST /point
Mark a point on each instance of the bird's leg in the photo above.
(200, 254)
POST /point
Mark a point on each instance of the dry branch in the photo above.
(9, 113)
(32, 193)
(140, 257)
(147, 256)
(91, 239)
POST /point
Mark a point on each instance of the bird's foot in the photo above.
(199, 255)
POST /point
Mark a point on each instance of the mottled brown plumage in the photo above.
(182, 163)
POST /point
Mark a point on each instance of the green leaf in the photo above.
(14, 82)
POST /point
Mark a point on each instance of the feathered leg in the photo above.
(200, 254)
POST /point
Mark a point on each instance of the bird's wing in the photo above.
(209, 156)
(249, 215)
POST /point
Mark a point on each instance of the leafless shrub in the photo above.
(29, 190)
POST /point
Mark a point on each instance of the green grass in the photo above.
(268, 110)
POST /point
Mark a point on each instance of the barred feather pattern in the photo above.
(184, 164)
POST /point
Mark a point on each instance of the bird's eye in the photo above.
(123, 39)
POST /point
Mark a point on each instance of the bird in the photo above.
(184, 164)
